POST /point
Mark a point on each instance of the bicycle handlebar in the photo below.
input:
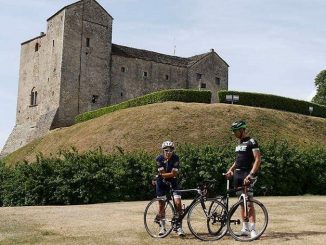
(201, 189)
(253, 181)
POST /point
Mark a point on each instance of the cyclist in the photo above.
(244, 168)
(168, 166)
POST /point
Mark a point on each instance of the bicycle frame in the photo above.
(243, 196)
(186, 210)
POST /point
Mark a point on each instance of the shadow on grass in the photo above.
(291, 235)
(287, 236)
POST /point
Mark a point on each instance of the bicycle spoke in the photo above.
(235, 222)
(153, 221)
(209, 224)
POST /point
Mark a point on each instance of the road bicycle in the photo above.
(203, 215)
(234, 220)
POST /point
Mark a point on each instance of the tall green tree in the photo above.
(320, 83)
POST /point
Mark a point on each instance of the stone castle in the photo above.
(74, 67)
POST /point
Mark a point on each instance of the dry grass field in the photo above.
(293, 220)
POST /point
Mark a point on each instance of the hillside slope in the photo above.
(145, 127)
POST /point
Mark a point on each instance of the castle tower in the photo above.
(64, 72)
(85, 78)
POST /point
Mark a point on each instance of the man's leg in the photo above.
(160, 192)
(252, 219)
(178, 204)
(238, 182)
(245, 224)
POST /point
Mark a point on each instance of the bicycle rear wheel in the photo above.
(152, 220)
(235, 222)
(207, 220)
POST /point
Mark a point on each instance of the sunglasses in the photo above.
(168, 151)
(235, 131)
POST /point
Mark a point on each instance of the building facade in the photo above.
(74, 67)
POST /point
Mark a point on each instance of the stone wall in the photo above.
(40, 71)
(210, 72)
(129, 80)
(86, 61)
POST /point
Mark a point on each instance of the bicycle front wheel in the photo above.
(207, 219)
(157, 226)
(235, 221)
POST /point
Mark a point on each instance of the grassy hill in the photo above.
(145, 127)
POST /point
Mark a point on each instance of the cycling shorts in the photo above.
(162, 187)
(238, 178)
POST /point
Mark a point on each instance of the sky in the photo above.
(272, 46)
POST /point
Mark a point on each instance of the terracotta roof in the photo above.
(157, 57)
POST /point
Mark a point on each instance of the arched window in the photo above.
(33, 97)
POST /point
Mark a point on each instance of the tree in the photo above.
(320, 83)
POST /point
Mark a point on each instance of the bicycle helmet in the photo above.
(238, 124)
(167, 144)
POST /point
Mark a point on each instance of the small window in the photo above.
(37, 46)
(88, 42)
(52, 43)
(33, 95)
(145, 74)
(217, 81)
(166, 77)
(94, 98)
(121, 94)
(198, 76)
(123, 69)
(202, 85)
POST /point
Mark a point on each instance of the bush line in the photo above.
(274, 102)
(184, 95)
(94, 177)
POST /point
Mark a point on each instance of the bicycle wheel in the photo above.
(207, 220)
(152, 220)
(234, 221)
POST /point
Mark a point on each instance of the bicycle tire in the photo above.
(234, 221)
(151, 223)
(204, 221)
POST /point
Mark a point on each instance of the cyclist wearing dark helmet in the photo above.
(244, 168)
(168, 166)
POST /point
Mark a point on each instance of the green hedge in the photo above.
(184, 95)
(274, 102)
(93, 177)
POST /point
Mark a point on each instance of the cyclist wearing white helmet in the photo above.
(168, 166)
(246, 165)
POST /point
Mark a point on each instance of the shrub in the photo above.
(93, 177)
(184, 95)
(274, 102)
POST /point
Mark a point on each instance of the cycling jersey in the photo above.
(168, 165)
(245, 157)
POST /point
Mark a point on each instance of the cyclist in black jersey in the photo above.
(168, 167)
(244, 168)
